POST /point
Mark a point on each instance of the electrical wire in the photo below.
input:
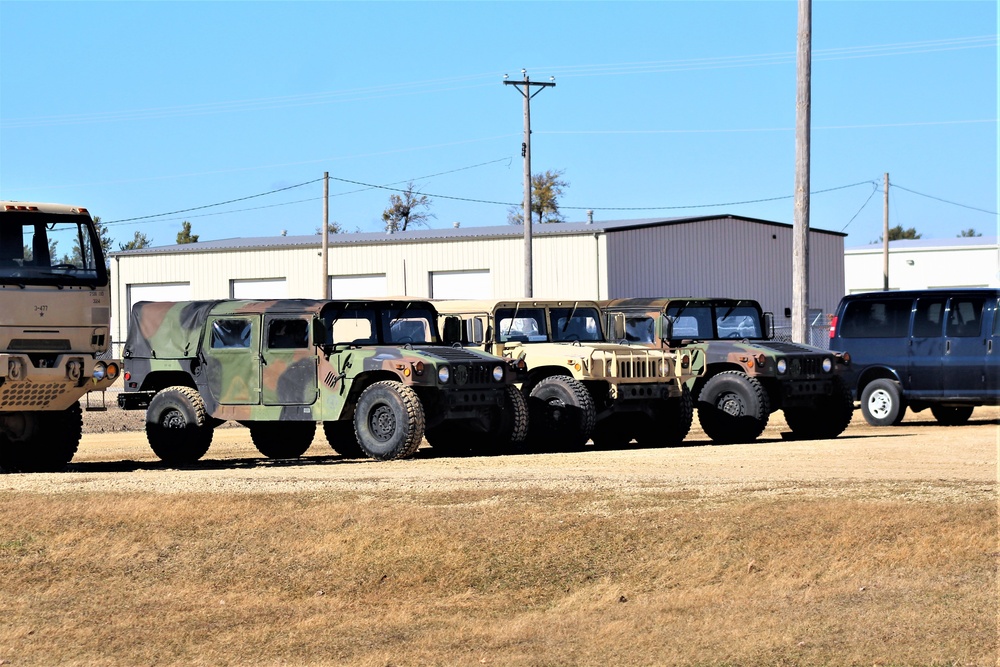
(875, 189)
(972, 208)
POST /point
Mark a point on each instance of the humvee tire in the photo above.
(827, 418)
(509, 431)
(670, 424)
(282, 439)
(733, 408)
(50, 448)
(562, 413)
(176, 425)
(389, 421)
(342, 439)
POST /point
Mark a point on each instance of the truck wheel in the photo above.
(342, 439)
(389, 421)
(670, 423)
(733, 408)
(50, 448)
(282, 439)
(882, 403)
(562, 413)
(509, 427)
(176, 425)
(951, 416)
(826, 418)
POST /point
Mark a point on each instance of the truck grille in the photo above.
(30, 395)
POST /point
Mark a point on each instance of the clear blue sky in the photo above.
(138, 109)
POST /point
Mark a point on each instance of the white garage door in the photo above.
(461, 284)
(358, 287)
(258, 290)
(158, 292)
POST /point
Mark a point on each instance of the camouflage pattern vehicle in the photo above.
(54, 332)
(580, 386)
(373, 372)
(748, 375)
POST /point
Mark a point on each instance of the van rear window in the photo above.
(888, 318)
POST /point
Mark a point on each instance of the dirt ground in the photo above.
(929, 460)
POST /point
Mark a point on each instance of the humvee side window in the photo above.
(965, 318)
(287, 334)
(357, 329)
(529, 325)
(928, 318)
(877, 319)
(639, 329)
(230, 334)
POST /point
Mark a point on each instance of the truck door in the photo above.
(288, 361)
(926, 348)
(965, 348)
(232, 359)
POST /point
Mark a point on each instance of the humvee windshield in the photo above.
(369, 325)
(564, 324)
(715, 321)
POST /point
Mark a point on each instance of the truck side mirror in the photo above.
(452, 330)
(617, 325)
(319, 333)
(474, 330)
(768, 326)
(668, 328)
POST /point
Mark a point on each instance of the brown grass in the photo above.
(494, 579)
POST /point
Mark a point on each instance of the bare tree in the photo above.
(404, 210)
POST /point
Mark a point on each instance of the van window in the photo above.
(889, 318)
(965, 317)
(996, 318)
(929, 318)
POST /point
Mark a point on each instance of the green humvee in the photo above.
(580, 386)
(373, 372)
(748, 375)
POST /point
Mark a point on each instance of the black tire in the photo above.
(53, 444)
(827, 418)
(562, 413)
(614, 432)
(733, 408)
(389, 421)
(342, 439)
(509, 428)
(452, 438)
(282, 439)
(670, 422)
(951, 415)
(177, 428)
(882, 403)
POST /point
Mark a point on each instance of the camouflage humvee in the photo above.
(580, 386)
(372, 371)
(749, 375)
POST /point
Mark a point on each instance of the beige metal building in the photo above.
(924, 263)
(704, 256)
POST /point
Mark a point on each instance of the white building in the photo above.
(924, 263)
(729, 256)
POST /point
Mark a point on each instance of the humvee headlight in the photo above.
(665, 367)
(782, 366)
(444, 375)
(100, 370)
(498, 373)
(827, 364)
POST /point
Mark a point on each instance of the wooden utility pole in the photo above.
(885, 235)
(325, 234)
(526, 154)
(800, 230)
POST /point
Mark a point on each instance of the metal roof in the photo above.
(927, 244)
(446, 234)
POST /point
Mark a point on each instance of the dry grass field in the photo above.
(877, 548)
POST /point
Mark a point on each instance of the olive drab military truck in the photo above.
(373, 372)
(54, 327)
(580, 386)
(749, 375)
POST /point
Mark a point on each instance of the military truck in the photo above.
(54, 332)
(580, 386)
(749, 375)
(373, 372)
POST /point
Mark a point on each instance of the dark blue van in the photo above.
(920, 349)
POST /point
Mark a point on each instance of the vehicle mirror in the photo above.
(319, 333)
(668, 328)
(474, 330)
(768, 326)
(617, 324)
(452, 329)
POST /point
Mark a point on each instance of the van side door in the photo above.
(964, 348)
(289, 361)
(926, 347)
(992, 355)
(232, 358)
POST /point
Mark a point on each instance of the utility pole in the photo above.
(526, 154)
(800, 229)
(885, 235)
(326, 235)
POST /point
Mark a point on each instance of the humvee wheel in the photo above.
(612, 433)
(342, 439)
(951, 416)
(826, 418)
(451, 439)
(389, 421)
(52, 445)
(882, 403)
(176, 425)
(733, 407)
(510, 423)
(670, 423)
(282, 439)
(562, 413)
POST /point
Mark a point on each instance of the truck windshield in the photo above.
(50, 249)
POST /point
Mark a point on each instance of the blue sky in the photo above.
(676, 108)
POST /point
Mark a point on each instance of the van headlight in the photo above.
(782, 366)
(444, 374)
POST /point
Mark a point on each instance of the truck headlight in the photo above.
(498, 373)
(100, 370)
(782, 366)
(827, 364)
(444, 375)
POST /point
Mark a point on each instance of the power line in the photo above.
(972, 208)
(875, 189)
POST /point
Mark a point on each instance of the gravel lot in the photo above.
(919, 459)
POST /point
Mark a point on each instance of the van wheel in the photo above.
(342, 439)
(562, 413)
(389, 421)
(733, 408)
(824, 419)
(176, 425)
(951, 416)
(282, 439)
(882, 403)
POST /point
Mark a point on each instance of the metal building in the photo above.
(924, 263)
(699, 256)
